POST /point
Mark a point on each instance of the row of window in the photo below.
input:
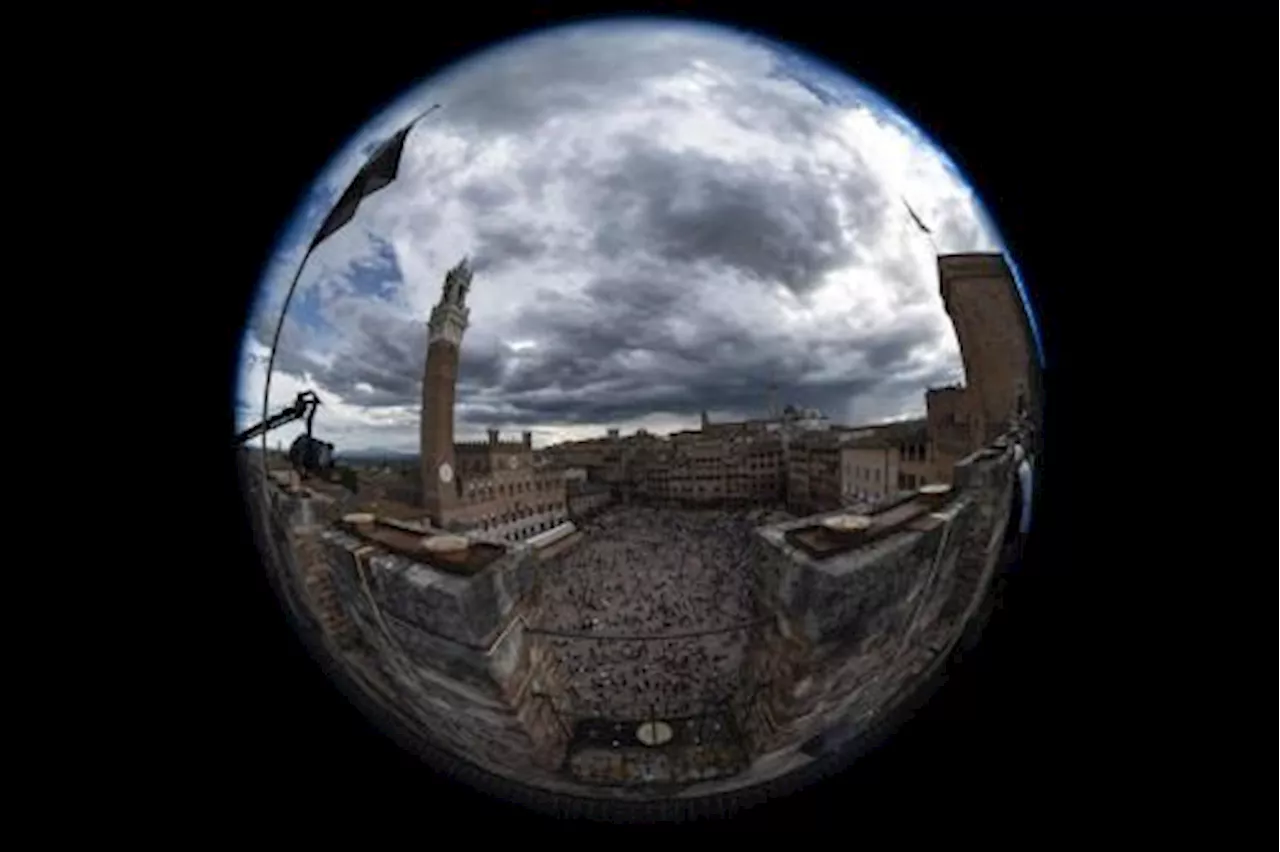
(707, 489)
(493, 521)
(530, 530)
(914, 452)
(909, 481)
(696, 477)
(481, 491)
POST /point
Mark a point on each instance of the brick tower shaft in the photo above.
(439, 385)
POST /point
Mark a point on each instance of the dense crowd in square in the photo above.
(638, 575)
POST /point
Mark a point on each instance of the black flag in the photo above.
(377, 173)
(916, 218)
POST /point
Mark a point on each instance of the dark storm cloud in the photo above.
(909, 286)
(866, 207)
(632, 310)
(500, 244)
(512, 92)
(289, 357)
(613, 353)
(487, 195)
(625, 265)
(790, 112)
(779, 226)
(374, 358)
(892, 349)
(957, 226)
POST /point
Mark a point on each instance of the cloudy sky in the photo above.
(662, 219)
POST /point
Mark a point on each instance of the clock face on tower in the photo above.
(446, 472)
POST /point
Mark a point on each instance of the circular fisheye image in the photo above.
(637, 413)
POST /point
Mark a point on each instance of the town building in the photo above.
(869, 469)
(731, 464)
(857, 467)
(814, 478)
(587, 499)
(916, 465)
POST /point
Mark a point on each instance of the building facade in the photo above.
(587, 499)
(915, 455)
(857, 467)
(798, 461)
(870, 470)
(952, 435)
(492, 486)
(720, 464)
(814, 477)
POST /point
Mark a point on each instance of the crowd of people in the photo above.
(656, 608)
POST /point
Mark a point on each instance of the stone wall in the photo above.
(452, 651)
(286, 535)
(845, 640)
(448, 656)
(853, 635)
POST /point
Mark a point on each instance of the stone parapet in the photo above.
(854, 633)
(841, 599)
(467, 610)
(453, 652)
(988, 468)
(844, 639)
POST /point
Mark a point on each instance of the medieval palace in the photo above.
(492, 486)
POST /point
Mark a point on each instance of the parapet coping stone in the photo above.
(421, 577)
(423, 574)
(860, 557)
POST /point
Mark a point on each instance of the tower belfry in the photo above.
(449, 319)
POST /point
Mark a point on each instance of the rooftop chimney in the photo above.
(528, 440)
(493, 436)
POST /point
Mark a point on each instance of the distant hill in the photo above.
(392, 456)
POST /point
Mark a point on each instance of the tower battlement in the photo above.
(486, 447)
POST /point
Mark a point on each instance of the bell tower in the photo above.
(439, 382)
(981, 297)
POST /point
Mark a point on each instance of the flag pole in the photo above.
(919, 224)
(284, 310)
